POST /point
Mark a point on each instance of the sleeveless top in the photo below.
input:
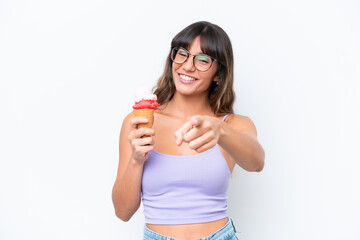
(185, 189)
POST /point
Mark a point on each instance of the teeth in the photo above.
(187, 78)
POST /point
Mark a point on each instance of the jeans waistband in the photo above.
(224, 233)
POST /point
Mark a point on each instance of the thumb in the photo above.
(196, 121)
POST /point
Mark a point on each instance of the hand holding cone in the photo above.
(145, 105)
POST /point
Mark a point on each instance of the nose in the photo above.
(189, 65)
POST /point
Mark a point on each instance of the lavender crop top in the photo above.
(185, 189)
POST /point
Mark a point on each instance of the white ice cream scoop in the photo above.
(144, 93)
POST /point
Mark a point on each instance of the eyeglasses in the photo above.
(201, 61)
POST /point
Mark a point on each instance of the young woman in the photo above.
(181, 168)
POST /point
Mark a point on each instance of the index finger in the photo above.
(137, 120)
(196, 121)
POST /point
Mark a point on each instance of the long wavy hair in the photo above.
(215, 42)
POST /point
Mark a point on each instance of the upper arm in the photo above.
(253, 159)
(243, 124)
(124, 146)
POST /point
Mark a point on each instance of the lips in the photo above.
(186, 78)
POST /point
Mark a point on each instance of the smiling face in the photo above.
(187, 79)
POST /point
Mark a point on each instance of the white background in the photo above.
(68, 70)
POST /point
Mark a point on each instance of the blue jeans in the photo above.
(227, 232)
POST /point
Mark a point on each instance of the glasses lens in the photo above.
(203, 62)
(179, 55)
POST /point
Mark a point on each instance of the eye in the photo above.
(182, 53)
(202, 58)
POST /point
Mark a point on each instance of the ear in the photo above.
(216, 79)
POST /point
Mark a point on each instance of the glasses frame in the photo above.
(194, 55)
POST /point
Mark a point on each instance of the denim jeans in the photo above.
(225, 233)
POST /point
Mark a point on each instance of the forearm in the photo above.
(126, 194)
(244, 148)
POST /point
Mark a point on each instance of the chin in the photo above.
(187, 90)
(184, 90)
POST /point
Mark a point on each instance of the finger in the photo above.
(143, 151)
(147, 149)
(181, 131)
(138, 133)
(137, 120)
(146, 141)
(202, 140)
(205, 147)
(193, 134)
(196, 121)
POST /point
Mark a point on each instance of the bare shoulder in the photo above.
(129, 116)
(241, 123)
(125, 128)
(126, 121)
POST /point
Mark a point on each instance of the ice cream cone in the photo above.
(145, 105)
(148, 114)
(145, 113)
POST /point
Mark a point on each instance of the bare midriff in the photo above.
(188, 231)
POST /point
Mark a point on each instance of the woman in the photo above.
(182, 166)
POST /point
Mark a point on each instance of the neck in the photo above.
(184, 107)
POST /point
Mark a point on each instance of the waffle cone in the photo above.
(145, 113)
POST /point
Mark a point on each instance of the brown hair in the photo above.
(216, 43)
